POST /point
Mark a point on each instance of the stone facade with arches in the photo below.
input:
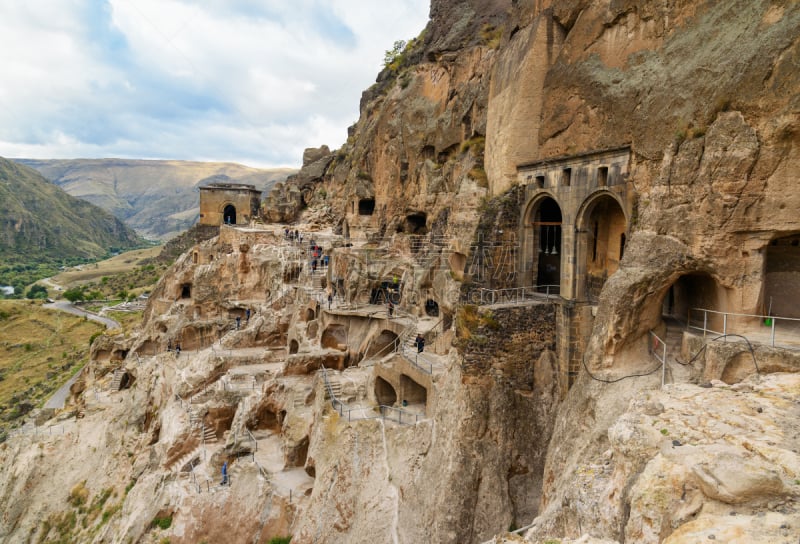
(575, 221)
(229, 204)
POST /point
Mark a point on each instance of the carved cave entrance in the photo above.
(229, 215)
(603, 228)
(782, 278)
(384, 392)
(415, 223)
(694, 290)
(545, 224)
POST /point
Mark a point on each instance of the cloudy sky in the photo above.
(250, 81)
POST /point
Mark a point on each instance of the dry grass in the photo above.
(124, 262)
(39, 350)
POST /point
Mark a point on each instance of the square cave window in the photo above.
(186, 290)
(539, 182)
(366, 206)
(566, 177)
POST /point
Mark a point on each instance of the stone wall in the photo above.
(214, 199)
(507, 342)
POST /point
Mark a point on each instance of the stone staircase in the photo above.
(188, 460)
(334, 387)
(195, 418)
(116, 380)
(316, 280)
(299, 400)
(207, 435)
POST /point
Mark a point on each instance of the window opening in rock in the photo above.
(293, 347)
(621, 245)
(602, 176)
(366, 206)
(186, 290)
(229, 215)
(540, 182)
(195, 257)
(566, 177)
(384, 392)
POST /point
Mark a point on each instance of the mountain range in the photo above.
(157, 198)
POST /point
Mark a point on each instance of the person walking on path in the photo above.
(247, 315)
(238, 322)
(225, 473)
(330, 300)
(390, 307)
(420, 343)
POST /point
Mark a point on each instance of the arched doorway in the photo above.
(602, 225)
(543, 229)
(229, 215)
(384, 392)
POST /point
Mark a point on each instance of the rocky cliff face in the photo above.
(423, 199)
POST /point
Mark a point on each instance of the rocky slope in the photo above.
(156, 198)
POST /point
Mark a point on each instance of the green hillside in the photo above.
(42, 227)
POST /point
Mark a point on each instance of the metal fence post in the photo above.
(725, 327)
(773, 332)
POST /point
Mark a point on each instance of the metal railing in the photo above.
(658, 349)
(780, 329)
(417, 358)
(359, 413)
(511, 295)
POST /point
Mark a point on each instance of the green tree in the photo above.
(37, 291)
(393, 57)
(74, 294)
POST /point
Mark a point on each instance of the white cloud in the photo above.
(247, 80)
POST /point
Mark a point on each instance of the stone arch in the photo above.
(781, 285)
(229, 214)
(601, 230)
(384, 392)
(681, 293)
(413, 393)
(542, 251)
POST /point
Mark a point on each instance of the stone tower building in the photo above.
(228, 203)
